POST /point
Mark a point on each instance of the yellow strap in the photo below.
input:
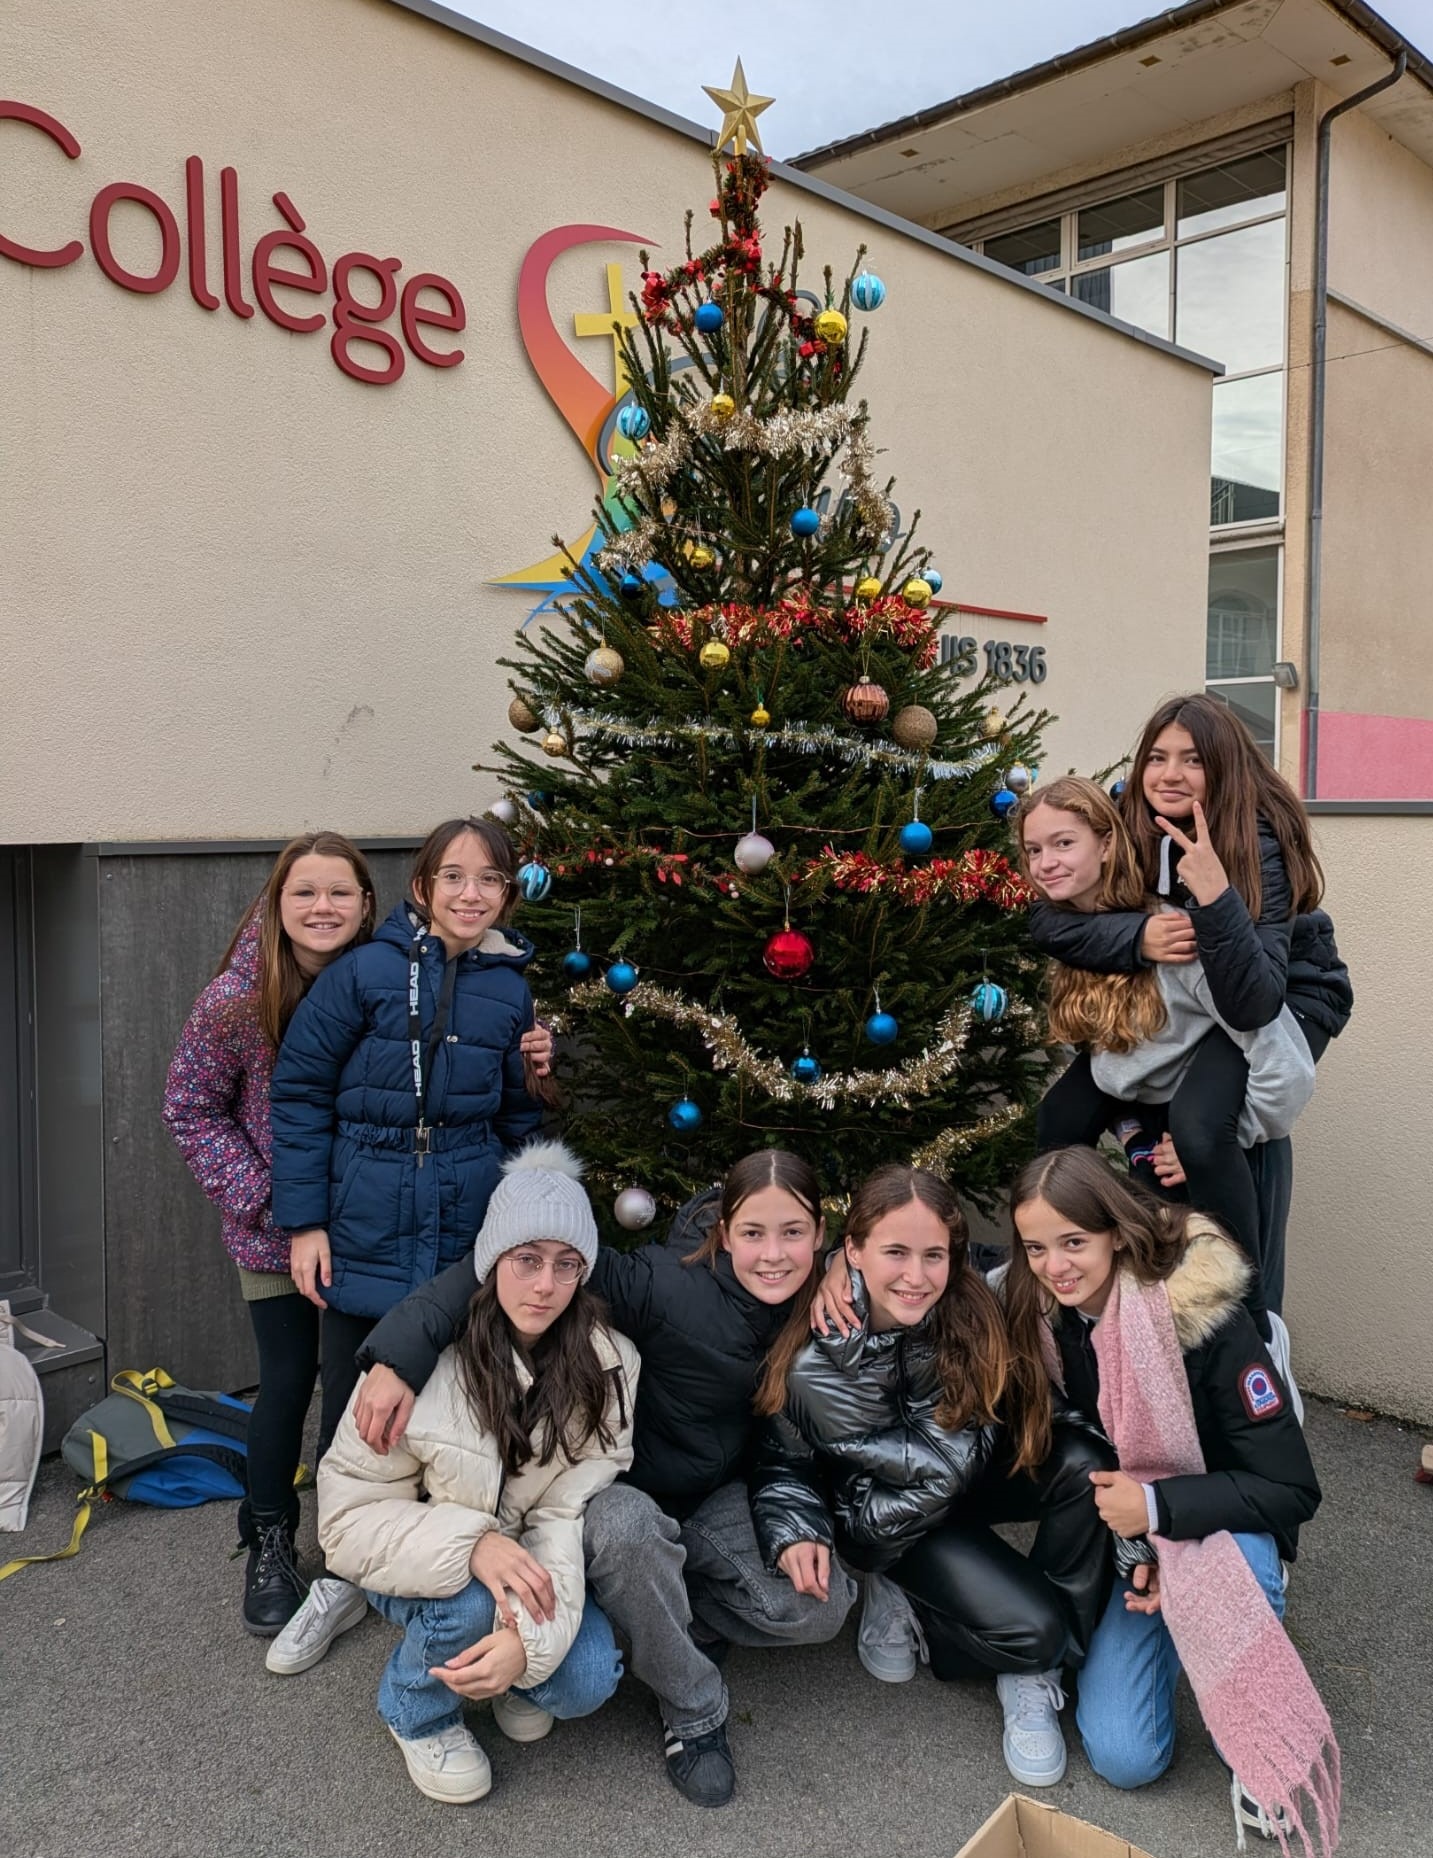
(137, 1387)
(100, 1452)
(61, 1554)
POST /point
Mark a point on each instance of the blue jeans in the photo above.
(1126, 1707)
(413, 1704)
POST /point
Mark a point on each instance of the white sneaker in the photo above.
(890, 1640)
(520, 1720)
(1279, 1354)
(1258, 1819)
(447, 1766)
(331, 1608)
(1034, 1747)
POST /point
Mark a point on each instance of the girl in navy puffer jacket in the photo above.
(399, 1090)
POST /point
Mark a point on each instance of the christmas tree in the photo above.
(769, 824)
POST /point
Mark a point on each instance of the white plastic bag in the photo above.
(22, 1422)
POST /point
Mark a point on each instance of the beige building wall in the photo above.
(1380, 222)
(245, 594)
(1360, 1265)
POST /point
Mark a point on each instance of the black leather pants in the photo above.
(984, 1606)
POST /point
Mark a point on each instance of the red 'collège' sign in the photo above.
(284, 259)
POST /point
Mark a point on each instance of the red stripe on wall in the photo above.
(1365, 757)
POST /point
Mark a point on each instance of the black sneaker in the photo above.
(700, 1766)
(274, 1590)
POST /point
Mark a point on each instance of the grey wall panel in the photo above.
(68, 1106)
(173, 1297)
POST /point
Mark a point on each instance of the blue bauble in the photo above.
(631, 585)
(534, 880)
(805, 522)
(1118, 789)
(881, 1029)
(989, 1001)
(868, 292)
(576, 964)
(916, 838)
(621, 977)
(805, 1069)
(933, 579)
(538, 800)
(685, 1116)
(709, 317)
(1003, 802)
(634, 422)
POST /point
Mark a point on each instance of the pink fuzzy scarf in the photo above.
(1257, 1700)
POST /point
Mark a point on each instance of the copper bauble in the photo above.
(865, 702)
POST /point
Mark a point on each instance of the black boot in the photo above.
(274, 1590)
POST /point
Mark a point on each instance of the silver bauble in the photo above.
(634, 1208)
(504, 811)
(753, 853)
(1018, 778)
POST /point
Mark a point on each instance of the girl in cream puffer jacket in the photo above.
(526, 1418)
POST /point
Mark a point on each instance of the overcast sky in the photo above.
(834, 67)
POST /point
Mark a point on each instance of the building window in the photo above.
(1201, 259)
(1242, 638)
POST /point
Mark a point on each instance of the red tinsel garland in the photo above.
(795, 617)
(975, 877)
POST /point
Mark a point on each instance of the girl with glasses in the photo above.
(468, 1535)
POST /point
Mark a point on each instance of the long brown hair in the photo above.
(1240, 787)
(767, 1167)
(1082, 1188)
(566, 1404)
(1110, 1012)
(282, 982)
(429, 857)
(981, 1380)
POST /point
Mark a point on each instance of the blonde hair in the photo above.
(1108, 1012)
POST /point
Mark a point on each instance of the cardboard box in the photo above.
(1022, 1828)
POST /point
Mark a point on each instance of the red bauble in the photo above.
(788, 955)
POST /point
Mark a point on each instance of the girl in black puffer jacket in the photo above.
(899, 1445)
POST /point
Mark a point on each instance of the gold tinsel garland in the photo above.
(658, 461)
(951, 1143)
(899, 1085)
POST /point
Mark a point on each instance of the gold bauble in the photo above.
(713, 656)
(831, 327)
(723, 406)
(760, 716)
(915, 726)
(993, 725)
(523, 717)
(918, 592)
(554, 744)
(604, 666)
(868, 589)
(698, 554)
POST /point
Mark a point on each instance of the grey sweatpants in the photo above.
(650, 1574)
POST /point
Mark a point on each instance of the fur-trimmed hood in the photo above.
(1207, 1285)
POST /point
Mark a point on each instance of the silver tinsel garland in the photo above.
(802, 738)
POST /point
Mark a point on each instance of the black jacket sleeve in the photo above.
(1247, 962)
(788, 1500)
(1265, 1483)
(1107, 943)
(410, 1338)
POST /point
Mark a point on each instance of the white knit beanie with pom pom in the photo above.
(540, 1196)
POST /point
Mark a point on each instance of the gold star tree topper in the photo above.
(740, 111)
